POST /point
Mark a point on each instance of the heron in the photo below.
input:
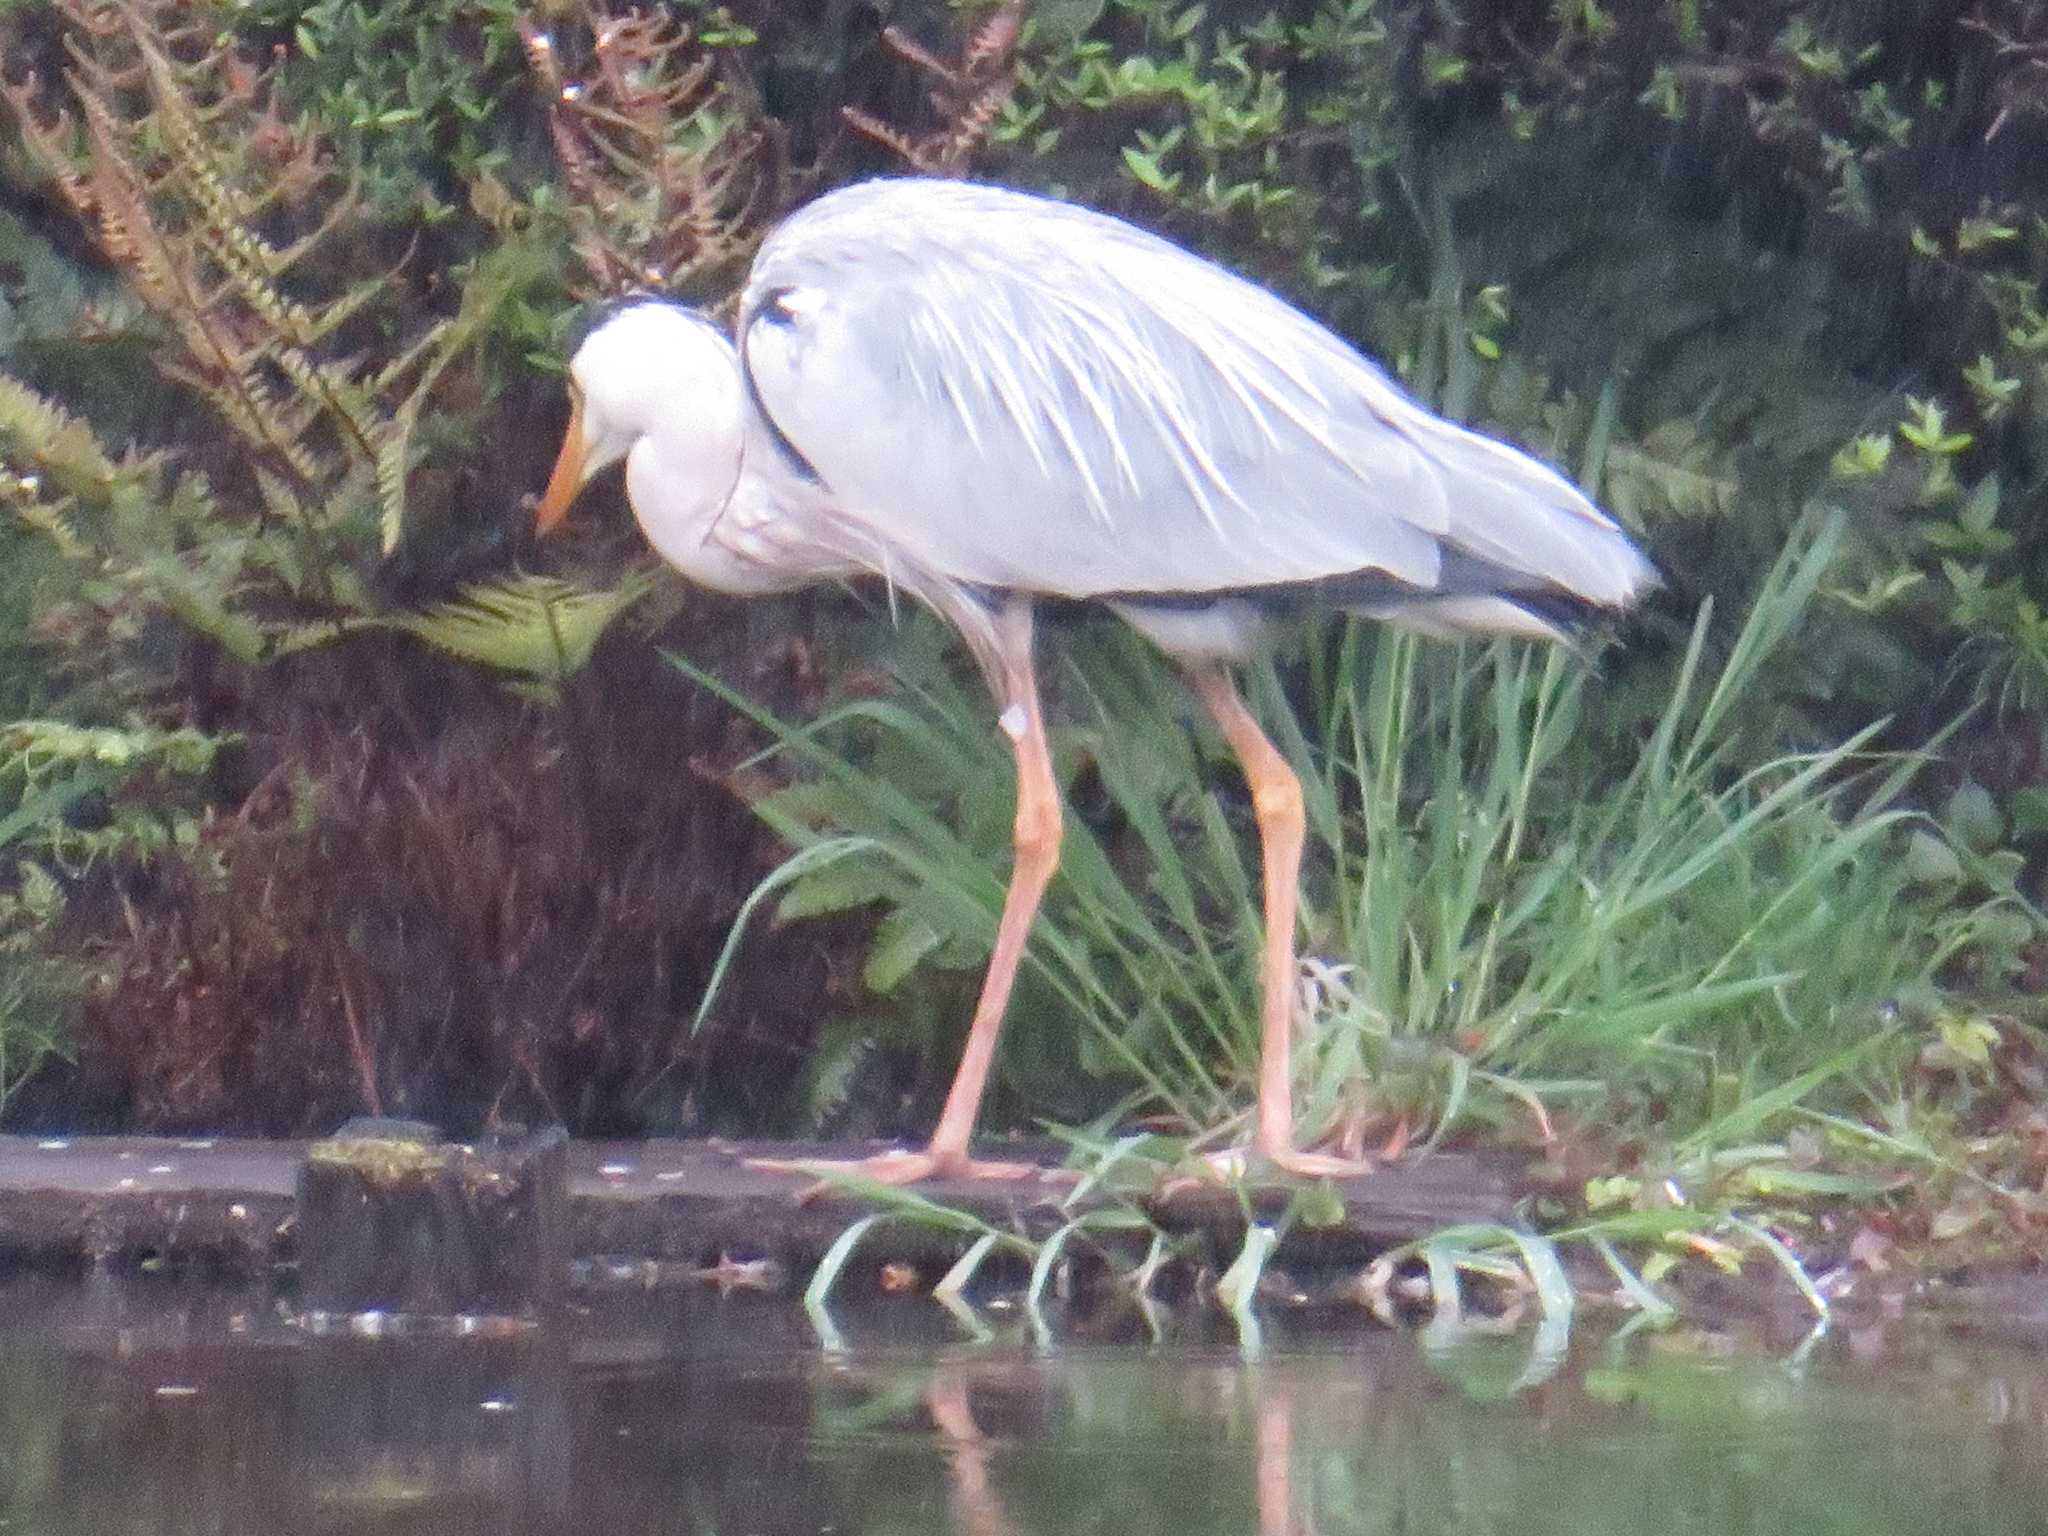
(989, 398)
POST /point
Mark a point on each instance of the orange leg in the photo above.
(1006, 654)
(1276, 800)
(1276, 1461)
(976, 1508)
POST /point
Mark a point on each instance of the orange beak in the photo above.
(567, 478)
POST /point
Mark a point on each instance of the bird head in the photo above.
(651, 370)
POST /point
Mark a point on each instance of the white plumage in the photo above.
(1083, 408)
(988, 397)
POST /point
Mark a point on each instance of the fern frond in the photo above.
(280, 501)
(296, 639)
(433, 340)
(491, 285)
(208, 225)
(968, 96)
(205, 607)
(538, 627)
(1669, 473)
(37, 746)
(394, 463)
(42, 441)
(314, 327)
(673, 170)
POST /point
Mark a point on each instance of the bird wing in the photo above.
(1021, 393)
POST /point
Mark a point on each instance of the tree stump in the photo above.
(395, 1223)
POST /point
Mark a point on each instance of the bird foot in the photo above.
(897, 1167)
(1318, 1165)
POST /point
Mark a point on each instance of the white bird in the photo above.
(986, 397)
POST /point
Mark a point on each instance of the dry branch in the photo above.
(968, 96)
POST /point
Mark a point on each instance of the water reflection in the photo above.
(154, 1410)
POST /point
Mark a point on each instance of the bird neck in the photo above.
(678, 491)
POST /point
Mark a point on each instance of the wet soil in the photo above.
(651, 1215)
(229, 1203)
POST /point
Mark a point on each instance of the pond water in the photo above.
(150, 1409)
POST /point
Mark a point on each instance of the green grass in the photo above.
(1505, 912)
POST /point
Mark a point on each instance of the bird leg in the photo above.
(1276, 802)
(977, 1507)
(1275, 1478)
(1006, 655)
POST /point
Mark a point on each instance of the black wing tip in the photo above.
(1576, 619)
(1573, 619)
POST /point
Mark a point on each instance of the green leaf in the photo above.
(819, 1291)
(1769, 1179)
(1981, 510)
(1147, 169)
(902, 940)
(1440, 67)
(1968, 1037)
(1928, 429)
(835, 888)
(2030, 811)
(1862, 457)
(1973, 819)
(1977, 232)
(1930, 860)
(1994, 391)
(46, 805)
(1318, 1205)
(1616, 1189)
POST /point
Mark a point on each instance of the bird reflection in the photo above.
(977, 1510)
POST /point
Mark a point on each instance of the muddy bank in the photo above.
(667, 1215)
(130, 1201)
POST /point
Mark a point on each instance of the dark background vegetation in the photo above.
(326, 791)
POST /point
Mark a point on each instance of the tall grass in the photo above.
(1504, 913)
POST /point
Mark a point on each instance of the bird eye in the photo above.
(785, 305)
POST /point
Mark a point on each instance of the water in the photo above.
(153, 1409)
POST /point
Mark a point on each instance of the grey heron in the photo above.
(987, 397)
